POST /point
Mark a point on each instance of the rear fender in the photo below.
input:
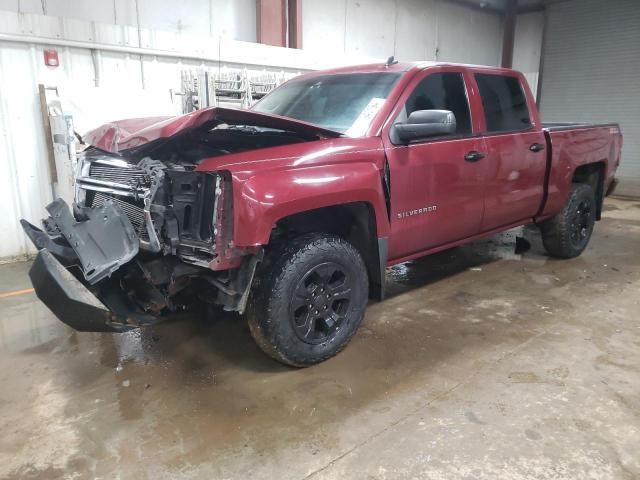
(571, 150)
(267, 197)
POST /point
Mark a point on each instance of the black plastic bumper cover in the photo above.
(59, 247)
(103, 242)
(69, 299)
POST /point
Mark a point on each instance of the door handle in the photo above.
(536, 147)
(474, 156)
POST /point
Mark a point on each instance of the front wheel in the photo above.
(567, 234)
(309, 300)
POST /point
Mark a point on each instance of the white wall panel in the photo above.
(190, 17)
(27, 6)
(11, 5)
(90, 11)
(24, 185)
(467, 35)
(528, 45)
(235, 19)
(323, 25)
(416, 32)
(370, 27)
(408, 29)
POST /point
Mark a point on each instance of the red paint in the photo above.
(514, 182)
(272, 183)
(572, 148)
(511, 186)
(271, 22)
(51, 58)
(437, 170)
(124, 134)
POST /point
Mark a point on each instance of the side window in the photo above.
(441, 91)
(505, 106)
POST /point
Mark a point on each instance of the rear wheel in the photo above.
(309, 300)
(568, 233)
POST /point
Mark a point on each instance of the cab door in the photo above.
(437, 183)
(516, 159)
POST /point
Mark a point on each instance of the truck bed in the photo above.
(572, 145)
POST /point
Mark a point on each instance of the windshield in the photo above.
(345, 102)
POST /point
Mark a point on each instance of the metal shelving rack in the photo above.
(227, 87)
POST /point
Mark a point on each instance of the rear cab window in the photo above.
(504, 103)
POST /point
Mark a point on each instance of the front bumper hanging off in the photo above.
(97, 247)
(69, 299)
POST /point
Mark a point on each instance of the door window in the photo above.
(505, 106)
(441, 91)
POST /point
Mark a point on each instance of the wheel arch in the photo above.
(592, 174)
(354, 222)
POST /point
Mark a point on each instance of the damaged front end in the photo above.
(148, 233)
(145, 238)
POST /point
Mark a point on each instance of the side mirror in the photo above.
(424, 124)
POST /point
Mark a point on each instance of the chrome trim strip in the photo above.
(154, 242)
(83, 181)
(217, 192)
(114, 162)
(113, 191)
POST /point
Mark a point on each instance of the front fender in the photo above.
(265, 198)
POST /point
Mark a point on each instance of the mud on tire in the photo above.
(309, 299)
(568, 233)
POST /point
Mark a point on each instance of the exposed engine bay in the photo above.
(147, 224)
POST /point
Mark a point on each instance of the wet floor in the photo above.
(482, 363)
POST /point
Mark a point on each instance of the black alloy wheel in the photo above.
(309, 299)
(567, 234)
(321, 300)
(581, 223)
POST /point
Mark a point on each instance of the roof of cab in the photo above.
(399, 67)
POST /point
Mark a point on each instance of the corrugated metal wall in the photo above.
(591, 72)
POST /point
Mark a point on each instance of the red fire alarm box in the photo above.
(51, 58)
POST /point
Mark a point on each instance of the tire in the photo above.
(568, 233)
(308, 300)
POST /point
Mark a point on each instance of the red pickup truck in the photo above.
(293, 209)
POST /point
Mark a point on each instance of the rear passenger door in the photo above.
(516, 160)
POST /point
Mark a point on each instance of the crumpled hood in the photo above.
(124, 134)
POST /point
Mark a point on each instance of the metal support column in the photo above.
(294, 17)
(509, 32)
(271, 22)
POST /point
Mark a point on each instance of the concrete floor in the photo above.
(482, 364)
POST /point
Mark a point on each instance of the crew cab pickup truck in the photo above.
(289, 212)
